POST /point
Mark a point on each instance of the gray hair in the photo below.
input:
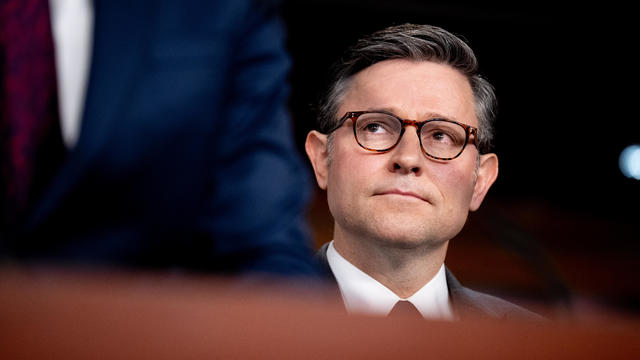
(414, 42)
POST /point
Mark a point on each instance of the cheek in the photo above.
(456, 185)
(350, 181)
(346, 174)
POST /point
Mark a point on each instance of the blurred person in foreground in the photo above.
(174, 148)
(403, 152)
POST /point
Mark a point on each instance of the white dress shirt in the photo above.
(72, 29)
(365, 295)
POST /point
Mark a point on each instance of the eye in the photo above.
(443, 133)
(441, 136)
(377, 124)
(374, 128)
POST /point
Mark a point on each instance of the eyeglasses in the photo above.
(440, 139)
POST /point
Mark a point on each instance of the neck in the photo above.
(402, 269)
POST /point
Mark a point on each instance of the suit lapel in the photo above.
(325, 271)
(119, 44)
(462, 304)
(323, 263)
(466, 302)
(120, 28)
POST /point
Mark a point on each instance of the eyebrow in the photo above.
(430, 115)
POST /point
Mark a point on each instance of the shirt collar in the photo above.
(363, 294)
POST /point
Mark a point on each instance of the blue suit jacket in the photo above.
(186, 156)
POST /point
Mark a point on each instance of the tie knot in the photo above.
(404, 308)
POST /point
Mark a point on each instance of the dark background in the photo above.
(560, 226)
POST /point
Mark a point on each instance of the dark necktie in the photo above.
(404, 308)
(31, 146)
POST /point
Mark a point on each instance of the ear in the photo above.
(487, 174)
(316, 148)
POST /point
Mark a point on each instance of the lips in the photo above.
(402, 193)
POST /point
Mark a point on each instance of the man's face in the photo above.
(403, 198)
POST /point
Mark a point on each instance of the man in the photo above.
(404, 156)
(180, 154)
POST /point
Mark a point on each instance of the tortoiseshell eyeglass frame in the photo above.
(354, 115)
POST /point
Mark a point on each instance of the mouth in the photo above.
(408, 194)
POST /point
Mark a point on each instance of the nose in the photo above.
(407, 156)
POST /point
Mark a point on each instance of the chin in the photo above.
(408, 239)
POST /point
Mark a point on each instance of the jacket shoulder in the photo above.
(468, 302)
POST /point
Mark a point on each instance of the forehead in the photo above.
(412, 89)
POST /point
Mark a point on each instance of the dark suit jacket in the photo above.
(186, 155)
(465, 302)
